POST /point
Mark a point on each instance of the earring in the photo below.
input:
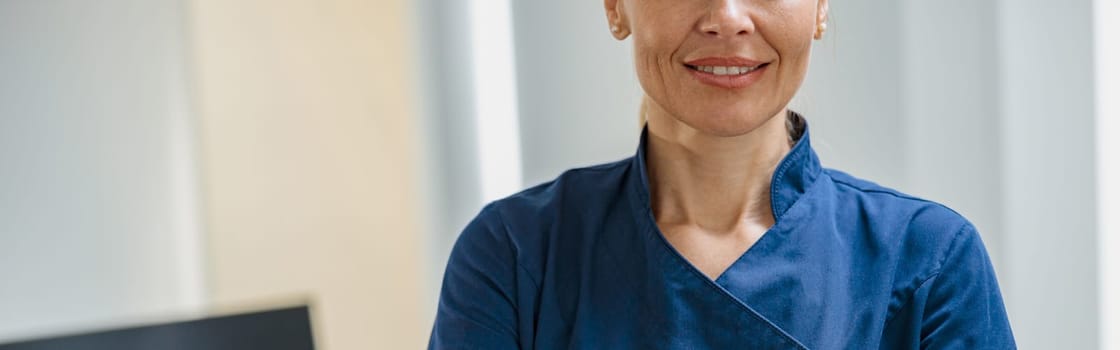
(618, 32)
(821, 27)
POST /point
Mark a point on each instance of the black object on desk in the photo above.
(281, 329)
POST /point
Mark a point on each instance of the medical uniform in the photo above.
(579, 263)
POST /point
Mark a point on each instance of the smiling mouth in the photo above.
(726, 70)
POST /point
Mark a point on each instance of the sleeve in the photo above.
(959, 306)
(477, 305)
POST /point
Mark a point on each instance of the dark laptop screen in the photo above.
(282, 329)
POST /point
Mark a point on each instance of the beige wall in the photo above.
(308, 163)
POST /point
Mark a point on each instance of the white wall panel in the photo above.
(98, 222)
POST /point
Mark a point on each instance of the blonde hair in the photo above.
(642, 109)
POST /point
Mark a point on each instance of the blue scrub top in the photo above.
(579, 263)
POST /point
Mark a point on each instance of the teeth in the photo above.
(721, 70)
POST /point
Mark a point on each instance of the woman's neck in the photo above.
(713, 183)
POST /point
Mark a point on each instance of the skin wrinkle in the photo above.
(712, 150)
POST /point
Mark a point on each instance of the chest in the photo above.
(712, 252)
(642, 296)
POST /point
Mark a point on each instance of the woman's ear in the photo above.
(822, 19)
(616, 19)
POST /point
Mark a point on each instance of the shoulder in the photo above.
(524, 221)
(919, 232)
(887, 205)
(943, 282)
(915, 240)
(496, 267)
(587, 187)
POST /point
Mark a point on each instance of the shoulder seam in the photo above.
(897, 194)
(601, 167)
(936, 272)
(892, 193)
(569, 172)
(910, 297)
(874, 190)
(509, 241)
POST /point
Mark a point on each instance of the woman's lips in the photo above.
(736, 76)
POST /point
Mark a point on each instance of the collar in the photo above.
(791, 179)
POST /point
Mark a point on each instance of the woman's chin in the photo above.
(725, 126)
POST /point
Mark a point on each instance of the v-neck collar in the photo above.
(793, 177)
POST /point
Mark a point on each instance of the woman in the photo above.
(723, 231)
